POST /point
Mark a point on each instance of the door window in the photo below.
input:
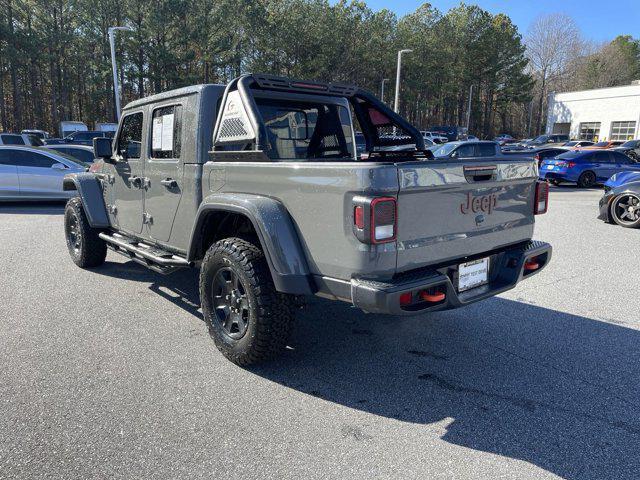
(130, 137)
(620, 157)
(601, 157)
(486, 150)
(25, 158)
(166, 132)
(465, 151)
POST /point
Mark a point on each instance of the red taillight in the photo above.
(375, 219)
(383, 220)
(542, 198)
(358, 216)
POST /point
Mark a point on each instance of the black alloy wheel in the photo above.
(73, 232)
(230, 303)
(587, 179)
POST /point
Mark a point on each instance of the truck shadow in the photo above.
(553, 389)
(557, 390)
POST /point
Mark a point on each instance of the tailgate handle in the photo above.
(480, 173)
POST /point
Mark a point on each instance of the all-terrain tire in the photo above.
(261, 330)
(86, 248)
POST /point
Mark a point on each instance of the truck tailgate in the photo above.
(456, 209)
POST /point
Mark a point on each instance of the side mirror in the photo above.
(102, 149)
(58, 166)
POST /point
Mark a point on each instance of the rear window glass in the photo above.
(573, 154)
(307, 130)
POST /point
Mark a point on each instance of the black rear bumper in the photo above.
(507, 268)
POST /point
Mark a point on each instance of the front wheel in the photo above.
(625, 210)
(86, 248)
(248, 320)
(587, 179)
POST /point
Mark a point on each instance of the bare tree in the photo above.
(553, 41)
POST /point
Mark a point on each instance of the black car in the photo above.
(79, 138)
(630, 149)
(452, 133)
(544, 153)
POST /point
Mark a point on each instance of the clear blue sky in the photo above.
(598, 20)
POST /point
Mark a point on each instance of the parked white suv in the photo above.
(434, 137)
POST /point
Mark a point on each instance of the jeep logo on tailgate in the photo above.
(483, 203)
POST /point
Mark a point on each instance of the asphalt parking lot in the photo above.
(111, 374)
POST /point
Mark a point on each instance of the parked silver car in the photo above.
(34, 173)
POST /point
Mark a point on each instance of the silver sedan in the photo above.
(34, 173)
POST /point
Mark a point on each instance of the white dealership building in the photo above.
(600, 114)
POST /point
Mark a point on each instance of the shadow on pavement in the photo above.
(33, 208)
(553, 389)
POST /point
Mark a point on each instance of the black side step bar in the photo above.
(151, 257)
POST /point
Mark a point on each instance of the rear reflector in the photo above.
(542, 198)
(358, 216)
(405, 299)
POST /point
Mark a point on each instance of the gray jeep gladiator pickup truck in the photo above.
(259, 184)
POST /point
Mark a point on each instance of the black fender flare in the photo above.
(90, 192)
(276, 232)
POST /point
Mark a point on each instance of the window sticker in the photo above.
(157, 134)
(167, 132)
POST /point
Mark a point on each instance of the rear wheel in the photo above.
(248, 320)
(86, 248)
(625, 210)
(587, 179)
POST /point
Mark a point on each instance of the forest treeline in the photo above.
(55, 59)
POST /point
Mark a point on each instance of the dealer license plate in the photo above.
(473, 274)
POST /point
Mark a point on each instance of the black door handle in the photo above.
(169, 183)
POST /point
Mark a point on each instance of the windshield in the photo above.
(444, 150)
(541, 139)
(571, 144)
(601, 144)
(67, 158)
(630, 144)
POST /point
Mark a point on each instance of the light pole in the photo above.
(469, 108)
(116, 86)
(400, 52)
(382, 89)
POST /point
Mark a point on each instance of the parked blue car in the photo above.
(586, 167)
(621, 200)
